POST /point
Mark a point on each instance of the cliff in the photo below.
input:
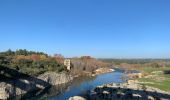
(25, 85)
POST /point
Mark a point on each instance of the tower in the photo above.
(67, 62)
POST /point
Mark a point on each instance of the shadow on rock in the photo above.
(13, 82)
(112, 93)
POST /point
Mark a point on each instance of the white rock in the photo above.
(77, 98)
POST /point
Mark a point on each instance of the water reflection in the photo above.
(82, 85)
(79, 86)
(42, 94)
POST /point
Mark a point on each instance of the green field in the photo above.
(156, 79)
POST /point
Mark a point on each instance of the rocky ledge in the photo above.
(102, 70)
(55, 79)
(131, 90)
(21, 86)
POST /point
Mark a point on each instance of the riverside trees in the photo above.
(30, 62)
(86, 64)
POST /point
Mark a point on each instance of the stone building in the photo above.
(67, 62)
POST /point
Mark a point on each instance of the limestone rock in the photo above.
(77, 98)
(127, 91)
(103, 70)
(150, 98)
(55, 78)
(22, 86)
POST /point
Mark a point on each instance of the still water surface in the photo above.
(79, 86)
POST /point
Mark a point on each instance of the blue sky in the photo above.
(100, 28)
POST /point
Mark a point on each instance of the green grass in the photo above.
(167, 76)
(151, 69)
(160, 84)
(163, 85)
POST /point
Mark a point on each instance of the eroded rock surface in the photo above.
(22, 86)
(55, 78)
(127, 91)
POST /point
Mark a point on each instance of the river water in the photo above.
(79, 86)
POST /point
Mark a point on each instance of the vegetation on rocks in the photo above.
(127, 91)
(155, 72)
(30, 62)
(156, 77)
(86, 64)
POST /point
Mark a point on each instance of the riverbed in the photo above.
(79, 86)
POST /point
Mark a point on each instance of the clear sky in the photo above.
(100, 28)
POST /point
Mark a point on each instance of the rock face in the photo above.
(55, 79)
(22, 86)
(127, 91)
(16, 87)
(3, 93)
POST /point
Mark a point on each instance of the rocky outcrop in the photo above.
(5, 90)
(76, 98)
(127, 91)
(55, 79)
(16, 87)
(22, 86)
(135, 75)
(102, 70)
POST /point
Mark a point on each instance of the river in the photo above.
(79, 86)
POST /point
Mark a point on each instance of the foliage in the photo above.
(133, 61)
(86, 64)
(30, 62)
(20, 52)
(157, 70)
(59, 58)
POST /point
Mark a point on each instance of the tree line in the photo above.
(31, 62)
(35, 63)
